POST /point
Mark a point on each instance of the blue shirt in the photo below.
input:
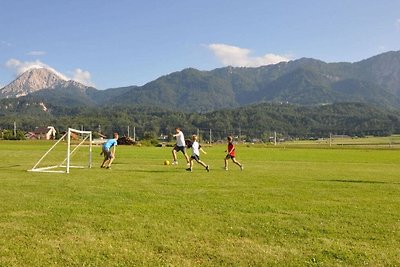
(110, 142)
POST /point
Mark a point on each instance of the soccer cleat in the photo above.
(226, 168)
(108, 168)
(207, 168)
(174, 162)
(189, 169)
(241, 167)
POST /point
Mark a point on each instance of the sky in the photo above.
(108, 44)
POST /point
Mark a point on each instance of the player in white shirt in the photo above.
(180, 146)
(196, 148)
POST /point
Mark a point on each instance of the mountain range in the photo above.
(309, 82)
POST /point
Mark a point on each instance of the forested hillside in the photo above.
(305, 81)
(255, 121)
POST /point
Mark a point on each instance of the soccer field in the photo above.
(293, 206)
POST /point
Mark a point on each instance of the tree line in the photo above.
(251, 122)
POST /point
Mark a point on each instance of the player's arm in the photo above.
(113, 153)
(202, 150)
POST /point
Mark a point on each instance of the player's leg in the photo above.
(237, 163)
(226, 162)
(174, 155)
(197, 159)
(204, 165)
(104, 152)
(185, 154)
(190, 164)
(110, 161)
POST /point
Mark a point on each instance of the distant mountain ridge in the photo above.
(305, 81)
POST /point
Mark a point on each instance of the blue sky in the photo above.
(119, 43)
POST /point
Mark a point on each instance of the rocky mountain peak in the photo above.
(32, 81)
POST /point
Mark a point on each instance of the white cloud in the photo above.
(5, 43)
(20, 67)
(36, 53)
(83, 77)
(241, 57)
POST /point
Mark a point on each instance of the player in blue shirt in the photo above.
(109, 155)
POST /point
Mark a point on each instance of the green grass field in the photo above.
(290, 206)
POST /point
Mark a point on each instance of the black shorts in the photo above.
(195, 157)
(107, 154)
(229, 156)
(180, 148)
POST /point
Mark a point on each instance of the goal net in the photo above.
(72, 150)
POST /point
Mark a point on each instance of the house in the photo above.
(74, 136)
(43, 133)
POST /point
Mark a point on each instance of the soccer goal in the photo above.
(72, 150)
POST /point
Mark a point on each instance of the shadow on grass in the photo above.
(357, 181)
(11, 166)
(152, 171)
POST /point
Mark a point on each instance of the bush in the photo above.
(150, 142)
(9, 135)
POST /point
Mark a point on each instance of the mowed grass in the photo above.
(288, 207)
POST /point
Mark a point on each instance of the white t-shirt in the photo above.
(180, 139)
(195, 148)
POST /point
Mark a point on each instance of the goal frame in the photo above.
(66, 163)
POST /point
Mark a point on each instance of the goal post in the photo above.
(72, 150)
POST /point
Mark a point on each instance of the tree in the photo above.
(9, 135)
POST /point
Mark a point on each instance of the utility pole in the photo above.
(128, 130)
(15, 128)
(134, 133)
(210, 136)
